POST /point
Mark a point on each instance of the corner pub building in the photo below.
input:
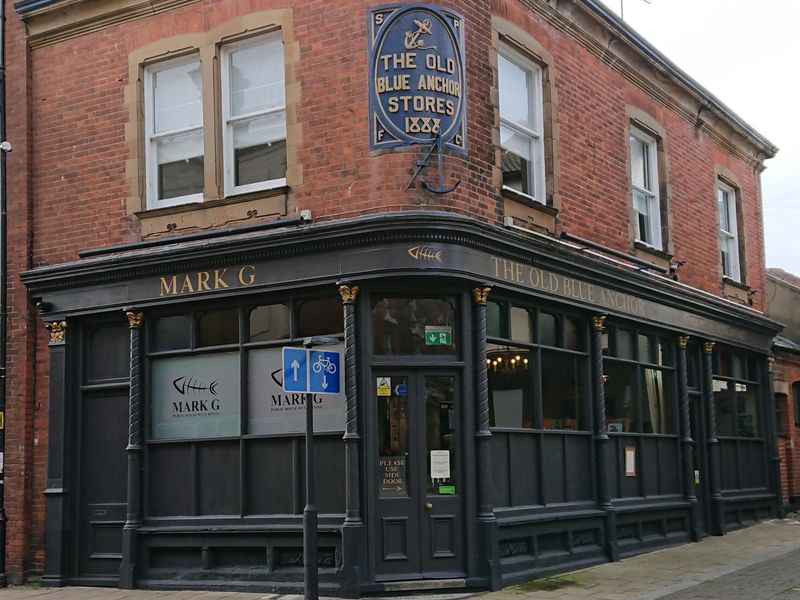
(538, 242)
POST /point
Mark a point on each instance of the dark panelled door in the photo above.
(102, 463)
(417, 531)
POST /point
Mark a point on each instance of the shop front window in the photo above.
(736, 389)
(537, 368)
(406, 326)
(639, 388)
(219, 424)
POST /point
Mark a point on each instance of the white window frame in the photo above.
(536, 169)
(151, 168)
(726, 200)
(227, 121)
(651, 192)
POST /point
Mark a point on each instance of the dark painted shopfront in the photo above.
(511, 407)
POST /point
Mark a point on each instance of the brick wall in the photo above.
(787, 370)
(68, 188)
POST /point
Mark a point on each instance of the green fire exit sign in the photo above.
(438, 336)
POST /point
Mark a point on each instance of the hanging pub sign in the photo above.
(416, 62)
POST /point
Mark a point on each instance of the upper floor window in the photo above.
(728, 232)
(521, 125)
(252, 113)
(644, 187)
(174, 132)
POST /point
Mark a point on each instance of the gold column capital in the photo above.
(134, 318)
(481, 294)
(598, 321)
(57, 330)
(683, 341)
(348, 292)
(770, 363)
(708, 347)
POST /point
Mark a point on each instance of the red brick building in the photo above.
(557, 361)
(783, 293)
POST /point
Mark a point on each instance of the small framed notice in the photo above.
(440, 464)
(630, 461)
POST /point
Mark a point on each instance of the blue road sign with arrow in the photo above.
(295, 370)
(311, 371)
(324, 375)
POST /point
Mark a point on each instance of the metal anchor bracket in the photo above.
(436, 146)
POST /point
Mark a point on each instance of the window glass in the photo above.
(177, 97)
(514, 94)
(737, 365)
(574, 334)
(645, 348)
(665, 352)
(693, 369)
(179, 165)
(218, 327)
(796, 398)
(195, 396)
(746, 410)
(657, 414)
(510, 386)
(175, 131)
(522, 149)
(644, 187)
(108, 353)
(521, 325)
(620, 395)
(254, 113)
(411, 326)
(728, 231)
(172, 333)
(723, 407)
(495, 319)
(269, 322)
(320, 316)
(781, 415)
(548, 329)
(563, 391)
(624, 344)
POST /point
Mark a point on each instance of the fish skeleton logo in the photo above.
(186, 385)
(425, 253)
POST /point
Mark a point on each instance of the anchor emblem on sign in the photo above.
(412, 41)
(436, 146)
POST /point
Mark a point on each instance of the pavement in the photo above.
(758, 563)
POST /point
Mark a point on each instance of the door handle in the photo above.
(428, 506)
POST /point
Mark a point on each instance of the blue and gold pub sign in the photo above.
(416, 61)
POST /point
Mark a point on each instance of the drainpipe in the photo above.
(5, 148)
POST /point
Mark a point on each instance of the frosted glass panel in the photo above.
(515, 142)
(514, 92)
(178, 97)
(179, 147)
(638, 163)
(253, 132)
(256, 78)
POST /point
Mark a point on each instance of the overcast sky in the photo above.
(748, 55)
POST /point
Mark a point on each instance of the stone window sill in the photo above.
(651, 254)
(736, 290)
(185, 218)
(527, 212)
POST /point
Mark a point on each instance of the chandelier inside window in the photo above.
(506, 360)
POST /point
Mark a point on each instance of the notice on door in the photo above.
(440, 464)
(392, 473)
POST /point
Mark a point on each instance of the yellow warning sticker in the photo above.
(384, 386)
